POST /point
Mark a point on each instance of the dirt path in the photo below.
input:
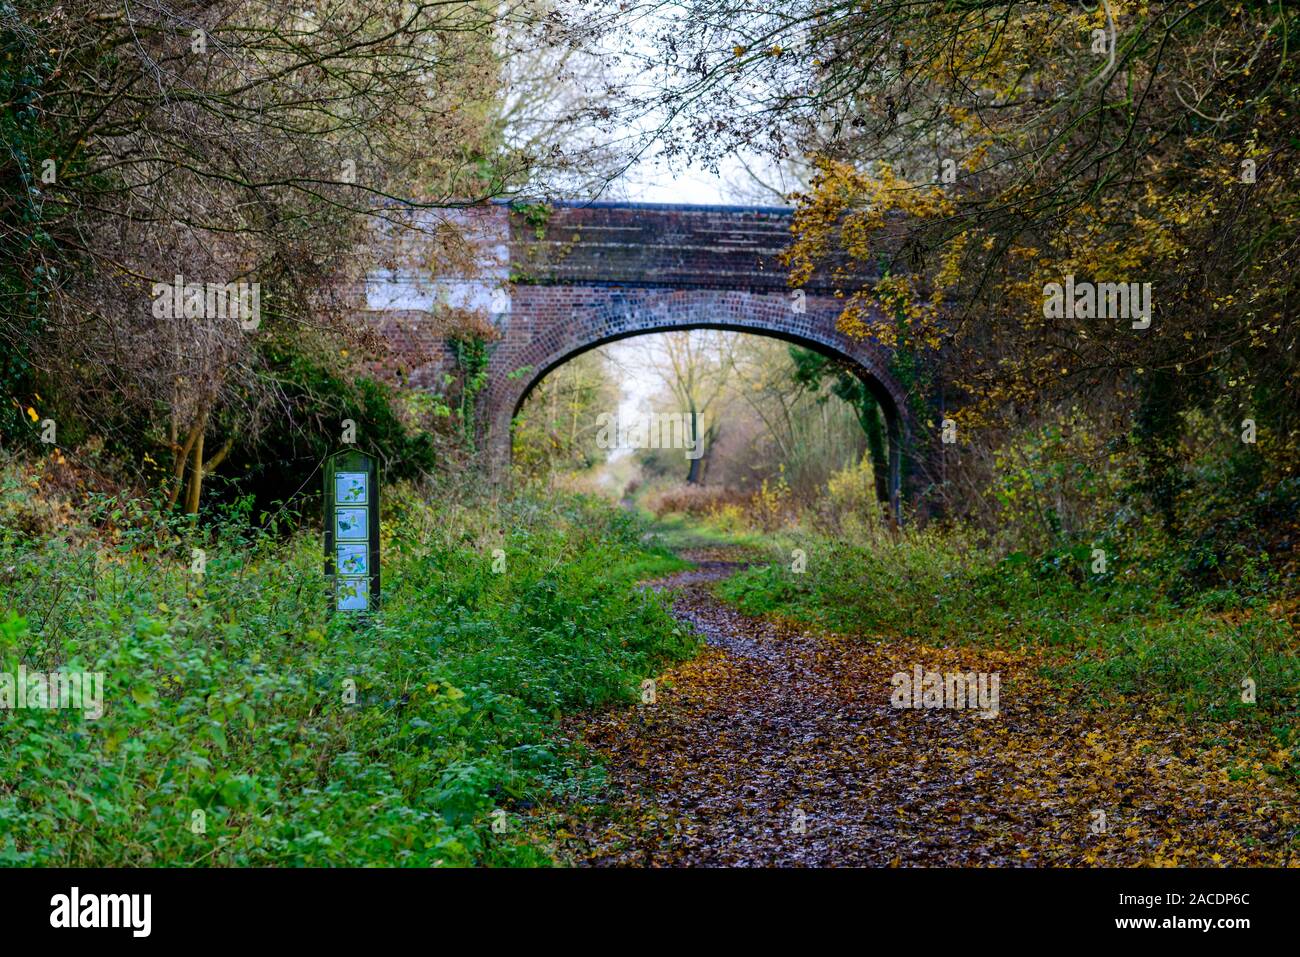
(778, 746)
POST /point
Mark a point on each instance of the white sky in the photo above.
(633, 61)
(654, 180)
(649, 182)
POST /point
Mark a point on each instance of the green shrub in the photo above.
(293, 441)
(227, 695)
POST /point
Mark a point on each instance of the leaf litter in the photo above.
(779, 746)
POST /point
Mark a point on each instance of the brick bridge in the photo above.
(560, 279)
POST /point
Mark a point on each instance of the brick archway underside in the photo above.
(552, 324)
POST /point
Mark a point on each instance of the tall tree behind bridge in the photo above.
(695, 368)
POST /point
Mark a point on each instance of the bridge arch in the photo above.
(566, 325)
(561, 277)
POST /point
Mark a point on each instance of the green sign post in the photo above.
(352, 531)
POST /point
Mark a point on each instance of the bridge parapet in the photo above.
(657, 245)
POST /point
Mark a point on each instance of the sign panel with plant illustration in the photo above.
(352, 531)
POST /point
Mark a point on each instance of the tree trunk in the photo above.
(693, 473)
(196, 470)
(869, 417)
(181, 456)
(693, 476)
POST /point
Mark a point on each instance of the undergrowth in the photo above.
(244, 726)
